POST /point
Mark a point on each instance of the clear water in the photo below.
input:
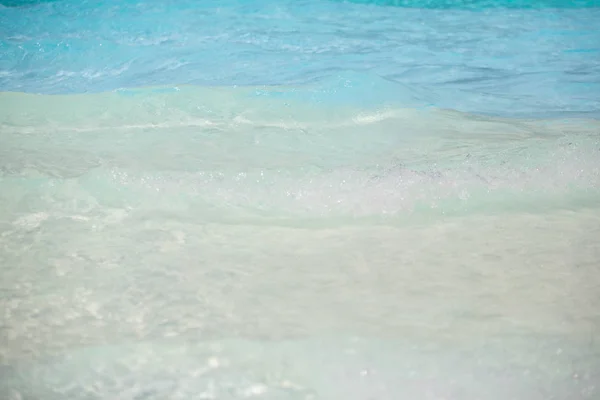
(299, 199)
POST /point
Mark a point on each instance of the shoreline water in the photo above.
(420, 225)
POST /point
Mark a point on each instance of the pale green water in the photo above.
(208, 243)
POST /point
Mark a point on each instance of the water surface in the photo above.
(299, 200)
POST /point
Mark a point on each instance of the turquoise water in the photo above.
(299, 200)
(472, 56)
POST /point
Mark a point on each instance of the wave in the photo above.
(289, 152)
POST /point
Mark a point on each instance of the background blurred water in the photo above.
(525, 58)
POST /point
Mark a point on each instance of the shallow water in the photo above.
(308, 200)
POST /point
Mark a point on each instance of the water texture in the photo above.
(492, 60)
(299, 200)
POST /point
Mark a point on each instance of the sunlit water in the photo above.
(299, 200)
